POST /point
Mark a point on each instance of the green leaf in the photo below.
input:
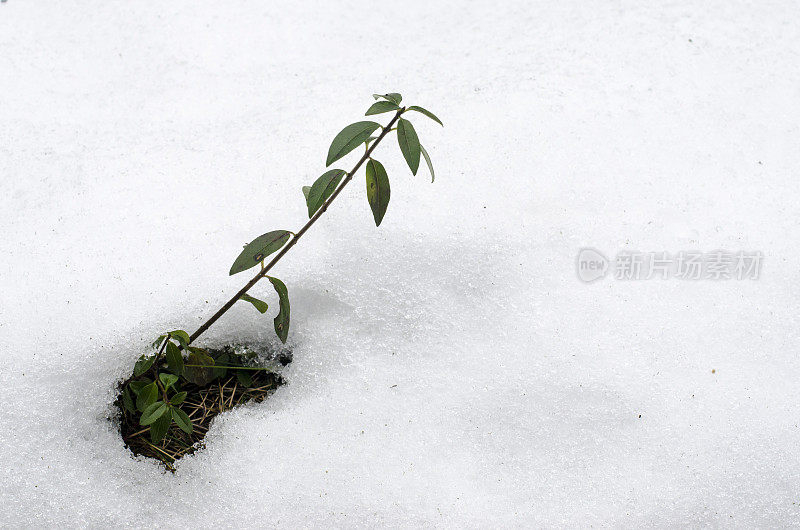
(147, 396)
(168, 380)
(153, 412)
(409, 144)
(220, 366)
(178, 398)
(158, 430)
(258, 304)
(174, 358)
(258, 249)
(349, 138)
(245, 378)
(182, 420)
(427, 161)
(282, 320)
(199, 375)
(394, 97)
(181, 336)
(157, 343)
(378, 191)
(137, 386)
(322, 189)
(379, 107)
(427, 113)
(306, 189)
(143, 364)
(127, 400)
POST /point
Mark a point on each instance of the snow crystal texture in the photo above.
(450, 369)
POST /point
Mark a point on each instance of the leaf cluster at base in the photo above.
(156, 391)
(167, 431)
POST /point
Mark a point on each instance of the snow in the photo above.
(450, 369)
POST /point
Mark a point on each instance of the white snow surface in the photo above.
(450, 370)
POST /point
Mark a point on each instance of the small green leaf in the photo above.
(245, 378)
(137, 386)
(202, 373)
(174, 358)
(127, 400)
(427, 113)
(349, 138)
(143, 364)
(427, 161)
(153, 412)
(378, 191)
(178, 398)
(282, 320)
(258, 249)
(379, 107)
(182, 420)
(167, 380)
(221, 370)
(258, 304)
(322, 189)
(157, 343)
(394, 97)
(158, 430)
(409, 144)
(181, 336)
(147, 396)
(306, 189)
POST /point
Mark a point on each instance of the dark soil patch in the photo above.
(230, 388)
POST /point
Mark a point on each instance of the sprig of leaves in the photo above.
(378, 188)
(324, 187)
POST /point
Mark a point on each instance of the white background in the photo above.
(450, 369)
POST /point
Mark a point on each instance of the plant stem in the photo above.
(207, 324)
(155, 367)
(161, 387)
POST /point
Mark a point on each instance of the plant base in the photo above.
(202, 404)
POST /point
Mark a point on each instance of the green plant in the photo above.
(155, 392)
